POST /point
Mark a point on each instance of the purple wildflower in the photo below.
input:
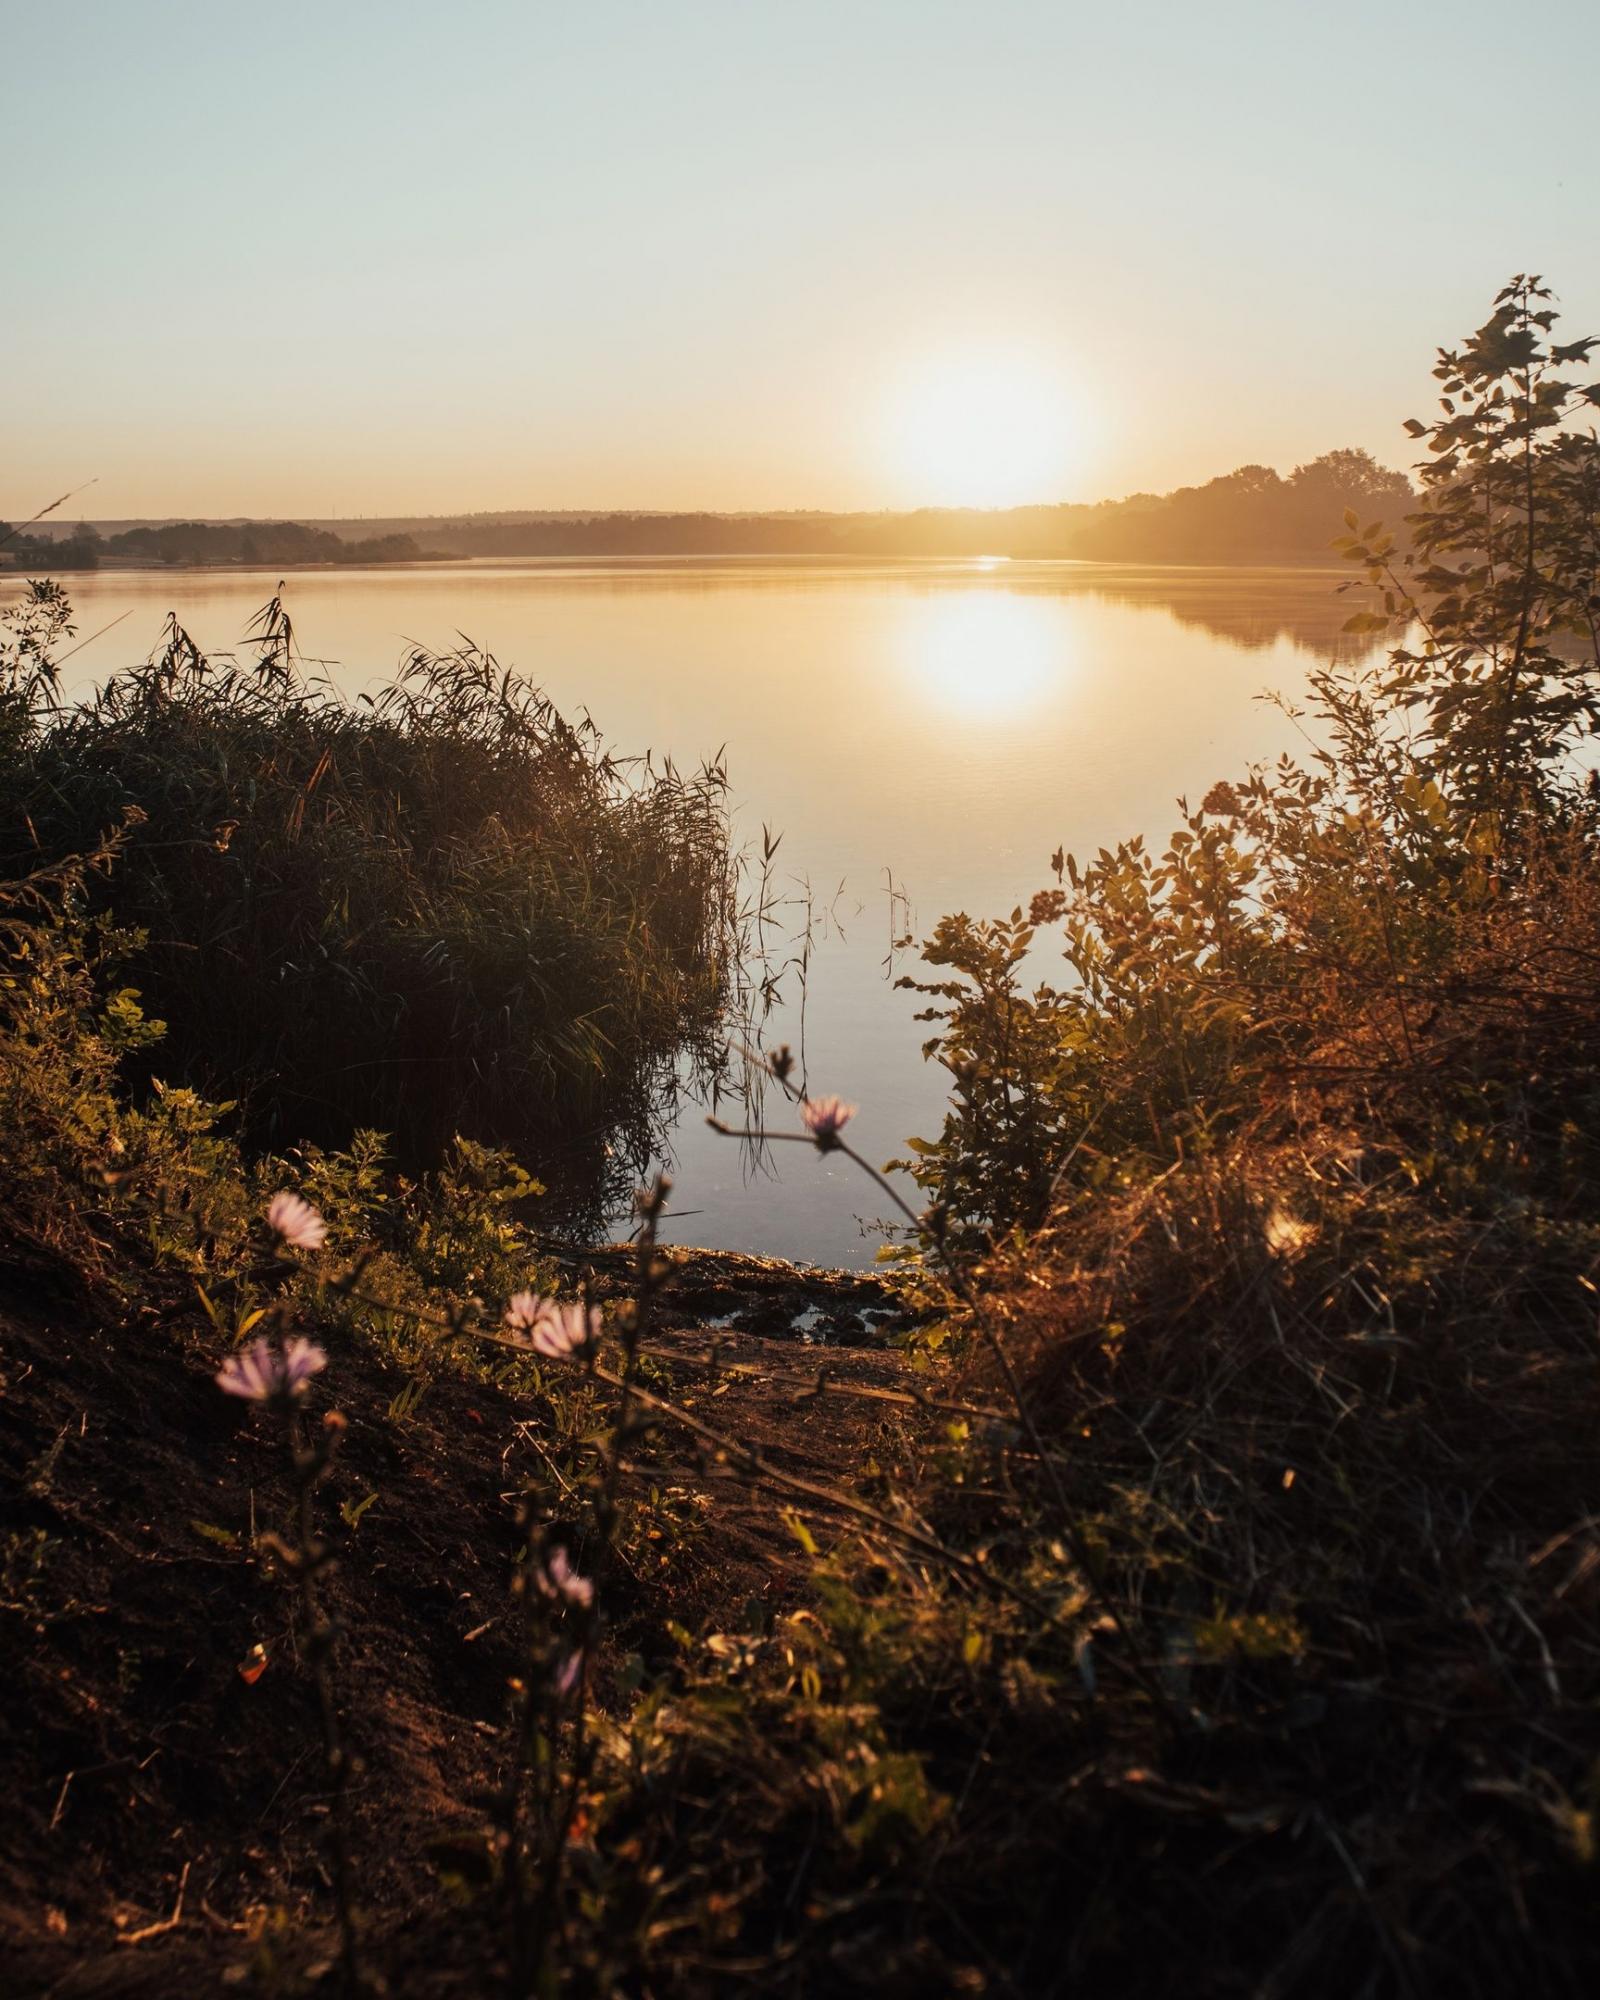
(824, 1118)
(524, 1310)
(557, 1331)
(569, 1673)
(567, 1329)
(263, 1371)
(558, 1579)
(296, 1221)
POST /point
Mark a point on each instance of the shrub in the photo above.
(1384, 933)
(1285, 1199)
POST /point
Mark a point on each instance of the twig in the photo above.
(167, 1923)
(750, 1459)
(824, 1383)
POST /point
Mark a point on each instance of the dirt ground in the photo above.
(162, 1792)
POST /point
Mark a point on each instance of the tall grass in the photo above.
(446, 910)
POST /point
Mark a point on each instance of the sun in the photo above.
(996, 429)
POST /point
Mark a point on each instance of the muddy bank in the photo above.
(725, 1291)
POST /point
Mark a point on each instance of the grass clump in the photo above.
(448, 910)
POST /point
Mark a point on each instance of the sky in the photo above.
(426, 256)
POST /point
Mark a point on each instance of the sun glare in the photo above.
(985, 430)
(986, 655)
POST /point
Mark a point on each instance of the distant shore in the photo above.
(1251, 515)
(706, 558)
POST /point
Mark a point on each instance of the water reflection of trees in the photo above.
(1254, 608)
(1254, 611)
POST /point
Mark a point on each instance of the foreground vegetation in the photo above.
(1211, 1604)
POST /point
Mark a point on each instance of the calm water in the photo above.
(950, 722)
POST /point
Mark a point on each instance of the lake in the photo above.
(946, 725)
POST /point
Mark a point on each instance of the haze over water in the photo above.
(950, 722)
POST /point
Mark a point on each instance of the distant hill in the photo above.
(1251, 515)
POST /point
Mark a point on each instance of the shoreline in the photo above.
(633, 560)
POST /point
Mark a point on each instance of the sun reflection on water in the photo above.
(985, 655)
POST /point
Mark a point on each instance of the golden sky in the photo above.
(393, 258)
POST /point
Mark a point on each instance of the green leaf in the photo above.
(223, 1537)
(802, 1534)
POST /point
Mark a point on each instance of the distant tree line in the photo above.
(79, 550)
(268, 542)
(1251, 515)
(186, 544)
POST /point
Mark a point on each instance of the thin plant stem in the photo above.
(309, 1561)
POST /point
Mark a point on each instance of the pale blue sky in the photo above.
(391, 257)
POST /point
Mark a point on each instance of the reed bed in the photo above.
(445, 911)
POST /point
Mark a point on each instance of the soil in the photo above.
(159, 1743)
